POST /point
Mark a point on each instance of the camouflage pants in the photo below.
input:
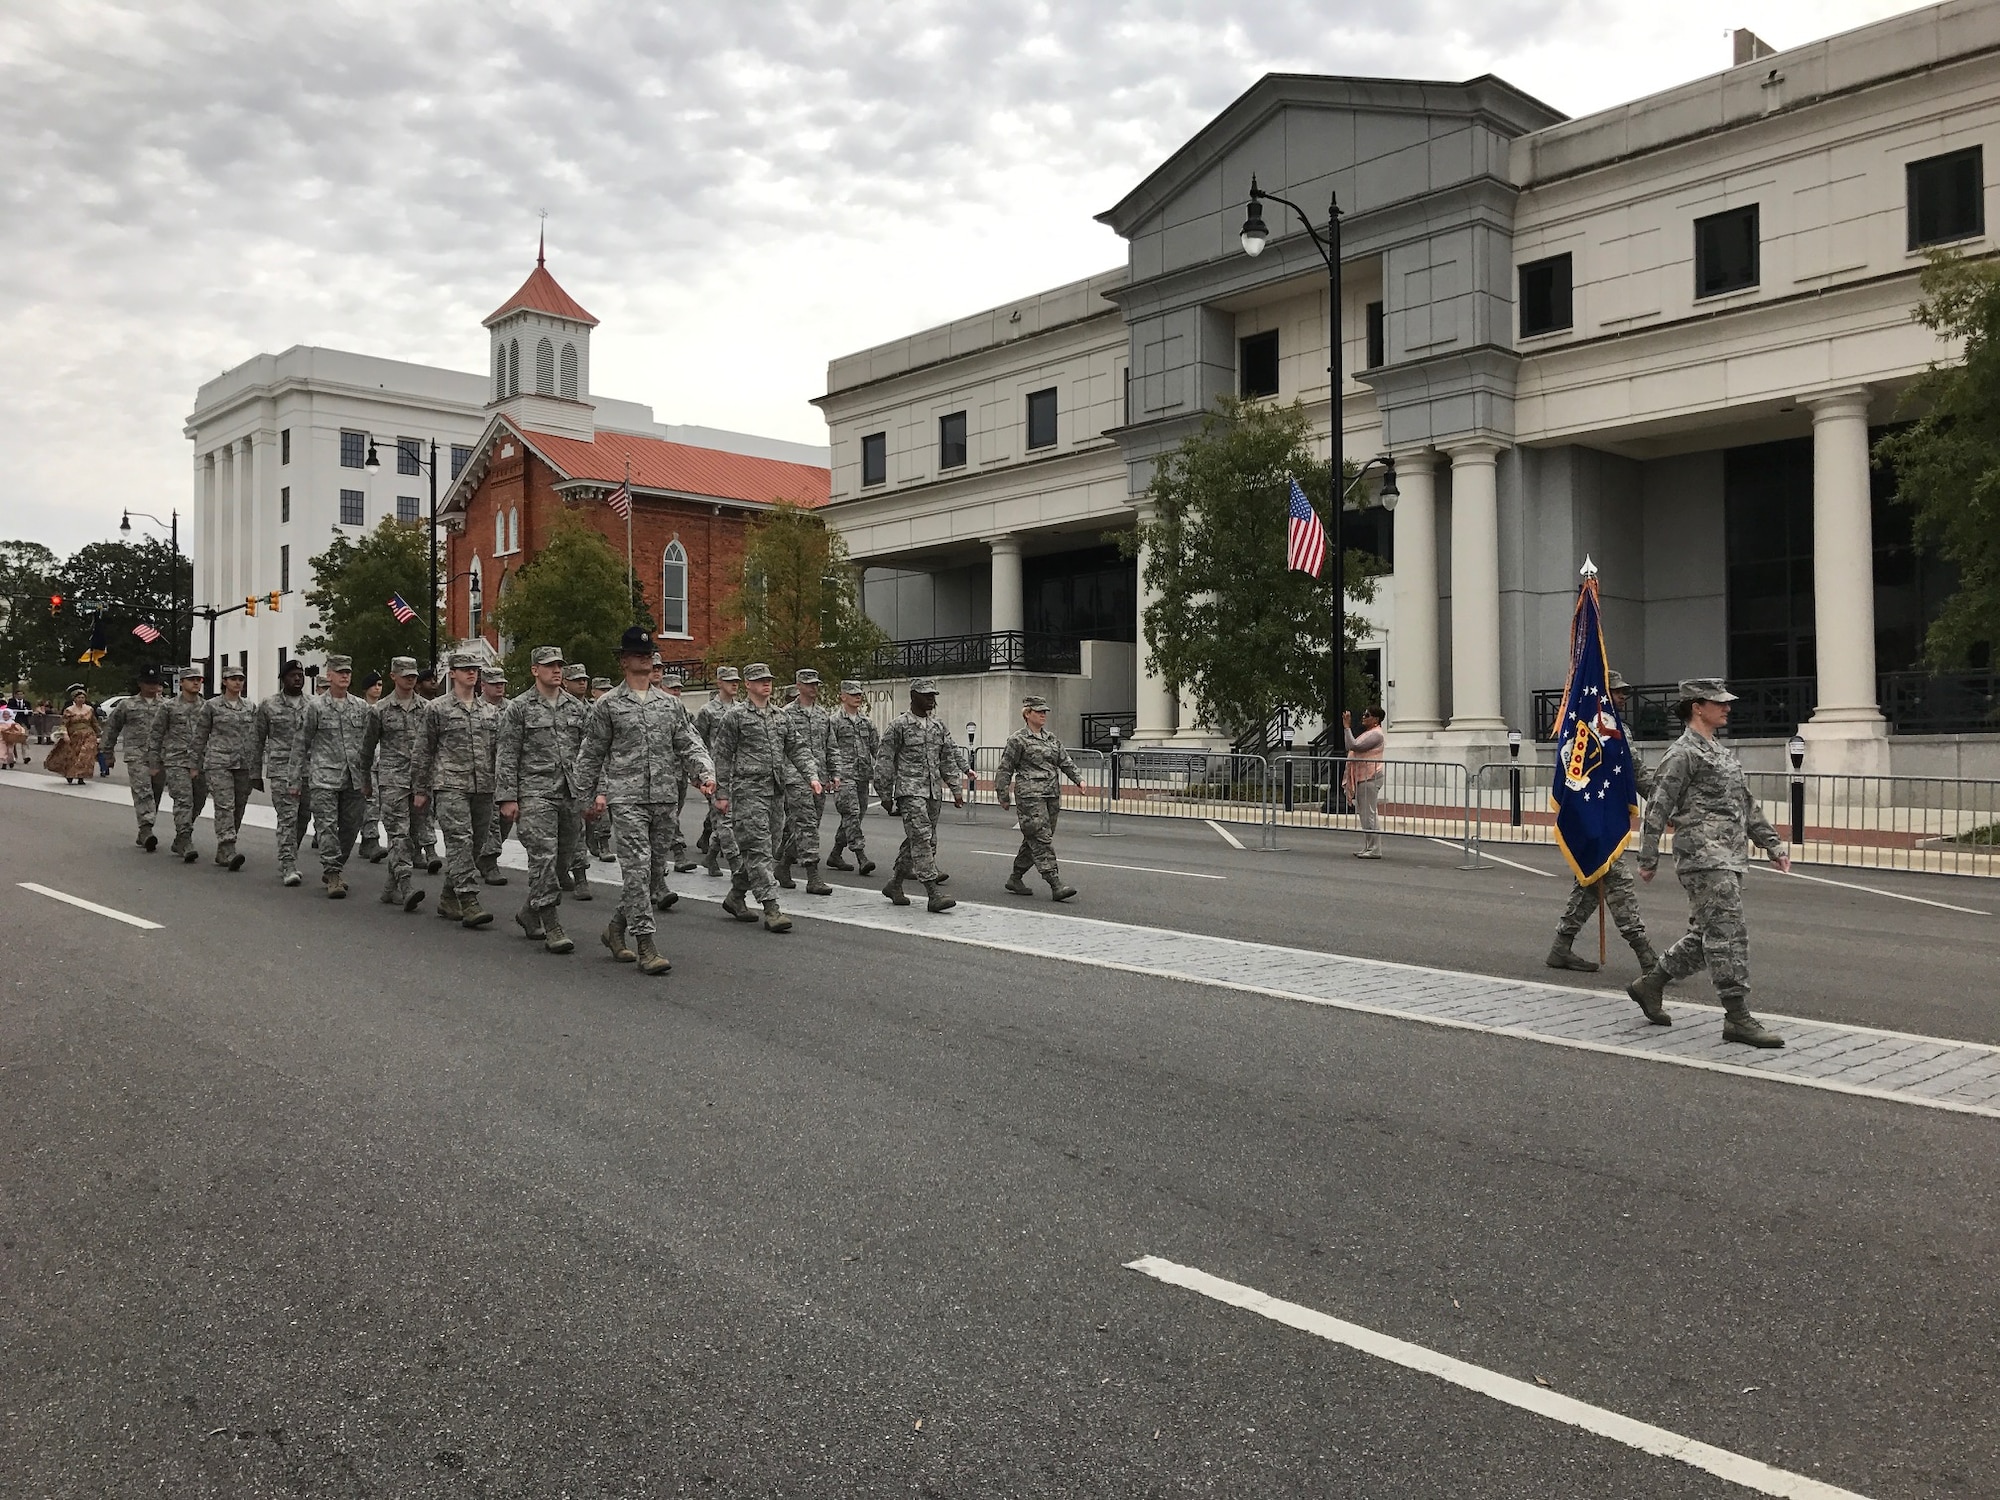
(916, 856)
(1717, 935)
(680, 847)
(423, 831)
(1038, 835)
(399, 819)
(547, 828)
(722, 838)
(230, 789)
(493, 832)
(145, 794)
(579, 860)
(756, 824)
(597, 836)
(1621, 895)
(668, 841)
(851, 802)
(371, 818)
(643, 832)
(190, 794)
(279, 784)
(337, 815)
(803, 809)
(462, 816)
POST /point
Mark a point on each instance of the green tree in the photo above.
(1228, 619)
(30, 642)
(569, 596)
(800, 601)
(352, 583)
(1947, 464)
(134, 582)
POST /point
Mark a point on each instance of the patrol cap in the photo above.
(1615, 680)
(493, 674)
(576, 671)
(805, 677)
(791, 693)
(600, 683)
(1040, 705)
(851, 685)
(149, 675)
(402, 666)
(757, 671)
(292, 665)
(462, 661)
(637, 641)
(340, 664)
(547, 656)
(672, 679)
(193, 669)
(925, 685)
(656, 658)
(728, 674)
(1705, 690)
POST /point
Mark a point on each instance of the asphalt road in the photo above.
(304, 1197)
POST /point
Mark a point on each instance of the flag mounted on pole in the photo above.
(1305, 538)
(401, 610)
(1595, 792)
(145, 632)
(96, 651)
(620, 499)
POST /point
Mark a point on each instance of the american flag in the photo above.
(146, 633)
(403, 613)
(620, 499)
(1305, 538)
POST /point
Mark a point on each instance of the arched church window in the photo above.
(674, 590)
(475, 597)
(569, 372)
(513, 367)
(499, 371)
(545, 368)
(499, 531)
(514, 530)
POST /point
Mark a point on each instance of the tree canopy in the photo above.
(800, 601)
(572, 596)
(352, 584)
(116, 584)
(1228, 619)
(1947, 463)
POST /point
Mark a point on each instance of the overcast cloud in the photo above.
(738, 190)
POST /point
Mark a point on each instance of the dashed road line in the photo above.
(1098, 864)
(1511, 864)
(103, 911)
(1873, 890)
(1233, 841)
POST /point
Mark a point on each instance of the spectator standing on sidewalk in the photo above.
(1363, 777)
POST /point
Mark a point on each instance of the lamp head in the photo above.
(374, 459)
(1514, 742)
(1796, 748)
(125, 521)
(1255, 233)
(1388, 493)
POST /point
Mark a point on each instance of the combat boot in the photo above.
(650, 959)
(835, 862)
(894, 891)
(1563, 956)
(150, 841)
(701, 844)
(1058, 891)
(1643, 951)
(390, 895)
(290, 878)
(448, 905)
(336, 888)
(1649, 990)
(775, 920)
(814, 885)
(939, 901)
(432, 864)
(381, 853)
(614, 939)
(1018, 886)
(414, 900)
(471, 914)
(145, 832)
(179, 845)
(867, 865)
(736, 906)
(579, 889)
(190, 854)
(785, 875)
(530, 922)
(553, 937)
(372, 850)
(686, 866)
(1738, 1025)
(664, 899)
(489, 870)
(714, 865)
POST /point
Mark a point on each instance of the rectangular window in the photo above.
(1042, 418)
(1257, 365)
(1545, 296)
(1725, 252)
(285, 446)
(353, 449)
(1947, 198)
(951, 441)
(1376, 346)
(875, 458)
(350, 507)
(409, 455)
(407, 509)
(284, 570)
(284, 503)
(460, 457)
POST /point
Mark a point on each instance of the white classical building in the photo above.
(1661, 336)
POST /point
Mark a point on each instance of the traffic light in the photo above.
(55, 604)
(250, 605)
(271, 600)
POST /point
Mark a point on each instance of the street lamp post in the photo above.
(373, 463)
(173, 525)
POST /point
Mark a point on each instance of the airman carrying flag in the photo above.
(1595, 792)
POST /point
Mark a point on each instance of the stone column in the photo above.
(1475, 590)
(1847, 733)
(1153, 703)
(1007, 609)
(1414, 626)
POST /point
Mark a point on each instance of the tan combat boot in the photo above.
(650, 959)
(553, 937)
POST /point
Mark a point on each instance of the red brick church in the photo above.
(550, 446)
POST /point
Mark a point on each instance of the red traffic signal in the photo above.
(55, 603)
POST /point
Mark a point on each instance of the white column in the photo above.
(1154, 704)
(1475, 589)
(1414, 627)
(1007, 610)
(1843, 562)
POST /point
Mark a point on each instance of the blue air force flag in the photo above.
(1595, 792)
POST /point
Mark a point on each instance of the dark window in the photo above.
(409, 455)
(350, 507)
(460, 457)
(1370, 530)
(875, 458)
(284, 570)
(284, 503)
(1377, 348)
(1545, 296)
(1042, 418)
(1087, 595)
(1126, 416)
(1947, 198)
(285, 446)
(353, 449)
(1768, 547)
(407, 507)
(1257, 364)
(951, 441)
(1725, 252)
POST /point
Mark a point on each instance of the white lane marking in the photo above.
(1872, 890)
(102, 911)
(1750, 1473)
(1456, 844)
(1233, 841)
(1098, 864)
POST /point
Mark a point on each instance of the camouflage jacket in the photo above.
(814, 729)
(455, 751)
(171, 741)
(274, 728)
(858, 739)
(751, 743)
(1032, 764)
(1701, 790)
(330, 749)
(708, 716)
(636, 750)
(393, 734)
(133, 717)
(918, 758)
(224, 734)
(537, 746)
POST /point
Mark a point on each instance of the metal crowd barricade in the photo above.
(1094, 766)
(1507, 802)
(1943, 825)
(1212, 786)
(1413, 798)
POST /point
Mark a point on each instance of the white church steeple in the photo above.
(540, 362)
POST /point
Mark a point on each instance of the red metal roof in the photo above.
(660, 465)
(540, 293)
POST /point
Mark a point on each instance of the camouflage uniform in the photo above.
(597, 831)
(1031, 768)
(858, 740)
(917, 765)
(170, 755)
(536, 749)
(392, 750)
(804, 807)
(329, 760)
(1621, 893)
(454, 764)
(751, 743)
(634, 751)
(133, 717)
(570, 727)
(716, 838)
(224, 735)
(274, 728)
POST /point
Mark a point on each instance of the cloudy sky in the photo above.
(738, 190)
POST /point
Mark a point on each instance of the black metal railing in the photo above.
(995, 651)
(1940, 702)
(1771, 707)
(1095, 731)
(694, 672)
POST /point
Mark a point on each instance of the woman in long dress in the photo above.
(75, 758)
